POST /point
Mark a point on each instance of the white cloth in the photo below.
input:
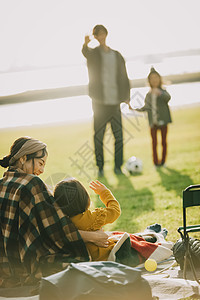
(109, 76)
(154, 109)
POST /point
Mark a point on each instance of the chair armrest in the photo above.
(191, 228)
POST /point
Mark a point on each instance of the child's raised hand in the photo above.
(97, 187)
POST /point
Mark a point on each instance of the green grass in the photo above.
(155, 196)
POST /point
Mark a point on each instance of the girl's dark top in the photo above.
(163, 112)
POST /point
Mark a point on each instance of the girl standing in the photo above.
(156, 105)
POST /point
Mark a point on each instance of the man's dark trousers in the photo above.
(104, 114)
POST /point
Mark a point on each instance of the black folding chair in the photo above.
(191, 197)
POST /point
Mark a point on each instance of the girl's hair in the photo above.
(15, 148)
(71, 197)
(153, 71)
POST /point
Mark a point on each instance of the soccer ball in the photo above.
(134, 165)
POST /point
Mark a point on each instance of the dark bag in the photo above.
(96, 280)
(179, 251)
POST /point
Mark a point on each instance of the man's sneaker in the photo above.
(118, 171)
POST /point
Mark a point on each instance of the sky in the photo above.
(51, 32)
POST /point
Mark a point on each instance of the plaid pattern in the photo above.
(36, 238)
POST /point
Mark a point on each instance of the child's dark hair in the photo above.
(15, 148)
(97, 28)
(71, 197)
(153, 71)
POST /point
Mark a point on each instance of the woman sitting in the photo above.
(36, 238)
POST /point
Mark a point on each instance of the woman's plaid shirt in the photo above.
(36, 238)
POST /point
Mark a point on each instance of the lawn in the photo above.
(154, 196)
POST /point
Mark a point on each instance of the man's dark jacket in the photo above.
(94, 63)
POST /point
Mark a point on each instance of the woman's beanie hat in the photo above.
(153, 71)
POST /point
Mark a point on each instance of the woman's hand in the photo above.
(99, 237)
(98, 187)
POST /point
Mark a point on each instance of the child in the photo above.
(156, 105)
(73, 199)
(127, 249)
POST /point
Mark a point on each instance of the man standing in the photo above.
(108, 87)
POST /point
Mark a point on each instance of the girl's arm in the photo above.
(113, 210)
(92, 220)
(146, 106)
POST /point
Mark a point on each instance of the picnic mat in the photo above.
(166, 283)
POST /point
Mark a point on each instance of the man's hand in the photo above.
(129, 105)
(87, 39)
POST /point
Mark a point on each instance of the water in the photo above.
(181, 94)
(16, 82)
(46, 112)
(80, 108)
(76, 109)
